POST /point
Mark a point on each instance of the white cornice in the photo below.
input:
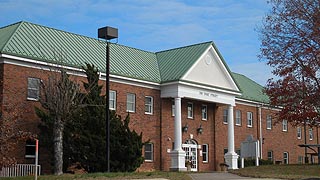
(202, 87)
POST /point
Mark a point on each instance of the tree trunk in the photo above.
(58, 146)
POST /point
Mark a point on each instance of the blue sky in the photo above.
(156, 25)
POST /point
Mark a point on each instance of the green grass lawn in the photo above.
(281, 171)
(102, 176)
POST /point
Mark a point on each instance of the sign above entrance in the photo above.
(203, 93)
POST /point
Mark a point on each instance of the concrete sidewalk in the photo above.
(221, 176)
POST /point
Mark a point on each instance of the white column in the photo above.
(177, 155)
(231, 157)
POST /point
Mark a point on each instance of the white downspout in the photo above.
(260, 128)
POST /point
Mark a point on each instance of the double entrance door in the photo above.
(191, 154)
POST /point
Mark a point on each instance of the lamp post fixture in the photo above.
(107, 33)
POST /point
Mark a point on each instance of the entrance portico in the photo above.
(208, 79)
(212, 95)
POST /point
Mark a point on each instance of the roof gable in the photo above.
(174, 63)
(211, 70)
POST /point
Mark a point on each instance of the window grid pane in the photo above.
(148, 152)
(269, 122)
(148, 105)
(173, 108)
(33, 88)
(299, 133)
(112, 100)
(310, 134)
(284, 125)
(238, 117)
(205, 153)
(249, 119)
(131, 102)
(225, 116)
(190, 110)
(204, 110)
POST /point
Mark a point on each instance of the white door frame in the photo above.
(190, 147)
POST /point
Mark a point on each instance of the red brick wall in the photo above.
(158, 127)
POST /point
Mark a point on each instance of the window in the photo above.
(225, 116)
(270, 156)
(204, 112)
(30, 149)
(269, 122)
(148, 100)
(238, 117)
(310, 134)
(299, 133)
(284, 125)
(205, 152)
(190, 110)
(173, 108)
(249, 119)
(300, 159)
(148, 152)
(285, 158)
(33, 89)
(131, 102)
(112, 100)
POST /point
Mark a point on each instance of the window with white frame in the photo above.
(148, 152)
(131, 102)
(269, 122)
(205, 148)
(284, 125)
(310, 134)
(285, 158)
(33, 89)
(112, 100)
(204, 112)
(238, 117)
(173, 108)
(148, 100)
(270, 156)
(249, 119)
(30, 148)
(190, 110)
(225, 116)
(299, 133)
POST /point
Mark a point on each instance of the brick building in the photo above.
(185, 95)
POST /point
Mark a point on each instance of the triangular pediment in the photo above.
(211, 70)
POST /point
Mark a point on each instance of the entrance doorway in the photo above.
(190, 147)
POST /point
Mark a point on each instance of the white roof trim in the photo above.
(30, 63)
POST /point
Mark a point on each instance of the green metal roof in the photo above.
(175, 63)
(24, 39)
(46, 44)
(250, 90)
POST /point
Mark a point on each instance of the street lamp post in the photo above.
(107, 33)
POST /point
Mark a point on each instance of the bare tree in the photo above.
(60, 97)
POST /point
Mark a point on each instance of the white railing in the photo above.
(19, 170)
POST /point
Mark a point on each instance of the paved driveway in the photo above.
(220, 176)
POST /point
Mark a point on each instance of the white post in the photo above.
(36, 163)
(177, 155)
(231, 157)
(242, 162)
